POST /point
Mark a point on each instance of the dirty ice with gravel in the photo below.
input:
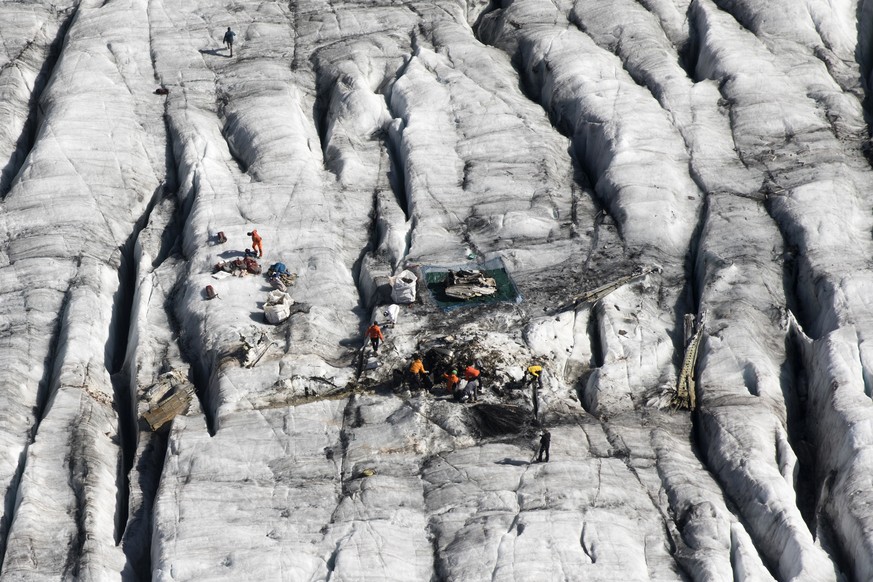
(676, 197)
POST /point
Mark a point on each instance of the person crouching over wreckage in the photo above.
(452, 380)
(532, 375)
(471, 375)
(418, 376)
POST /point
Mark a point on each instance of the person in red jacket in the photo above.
(256, 243)
(374, 332)
(471, 375)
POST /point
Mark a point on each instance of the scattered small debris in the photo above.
(238, 267)
(254, 345)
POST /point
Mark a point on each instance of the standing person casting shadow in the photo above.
(228, 40)
(374, 332)
(545, 443)
(257, 241)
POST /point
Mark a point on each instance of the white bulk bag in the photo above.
(403, 287)
(276, 296)
(277, 313)
(278, 307)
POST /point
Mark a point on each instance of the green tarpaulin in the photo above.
(435, 279)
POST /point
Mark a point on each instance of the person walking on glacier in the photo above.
(257, 241)
(228, 39)
(545, 443)
(374, 332)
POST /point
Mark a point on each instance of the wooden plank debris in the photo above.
(169, 407)
(686, 386)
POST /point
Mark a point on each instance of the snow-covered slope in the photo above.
(702, 161)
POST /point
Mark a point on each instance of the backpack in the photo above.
(252, 266)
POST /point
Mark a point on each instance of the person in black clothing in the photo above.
(228, 41)
(545, 441)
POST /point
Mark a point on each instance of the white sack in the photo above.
(403, 287)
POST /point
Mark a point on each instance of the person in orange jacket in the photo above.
(417, 373)
(256, 243)
(374, 332)
(451, 381)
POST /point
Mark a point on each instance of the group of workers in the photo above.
(419, 377)
(468, 391)
(462, 390)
